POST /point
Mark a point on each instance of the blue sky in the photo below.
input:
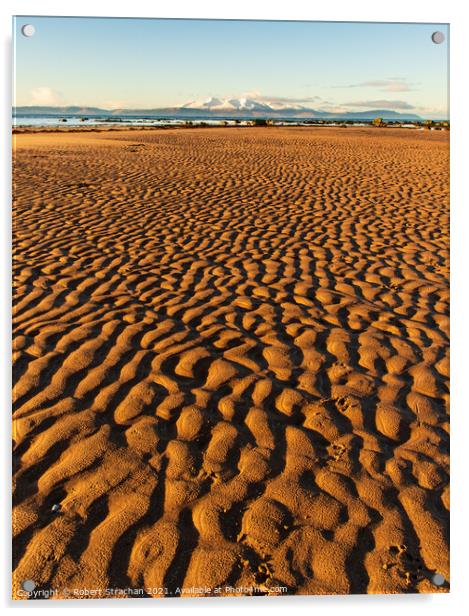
(149, 63)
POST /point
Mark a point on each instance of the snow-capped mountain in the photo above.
(238, 104)
(251, 107)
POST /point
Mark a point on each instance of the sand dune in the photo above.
(231, 360)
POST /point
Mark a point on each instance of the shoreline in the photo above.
(18, 130)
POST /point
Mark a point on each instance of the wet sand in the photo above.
(231, 360)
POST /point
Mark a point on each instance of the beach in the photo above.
(231, 361)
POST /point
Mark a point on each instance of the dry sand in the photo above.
(231, 360)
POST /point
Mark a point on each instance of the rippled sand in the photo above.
(231, 360)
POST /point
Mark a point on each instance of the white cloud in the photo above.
(46, 96)
(438, 113)
(393, 84)
(288, 99)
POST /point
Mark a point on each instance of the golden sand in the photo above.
(231, 360)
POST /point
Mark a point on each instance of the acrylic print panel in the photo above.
(231, 284)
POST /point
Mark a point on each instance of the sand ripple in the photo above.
(231, 359)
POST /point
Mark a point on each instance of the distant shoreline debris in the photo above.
(90, 123)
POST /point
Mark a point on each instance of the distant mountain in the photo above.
(71, 110)
(230, 108)
(385, 114)
(240, 104)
